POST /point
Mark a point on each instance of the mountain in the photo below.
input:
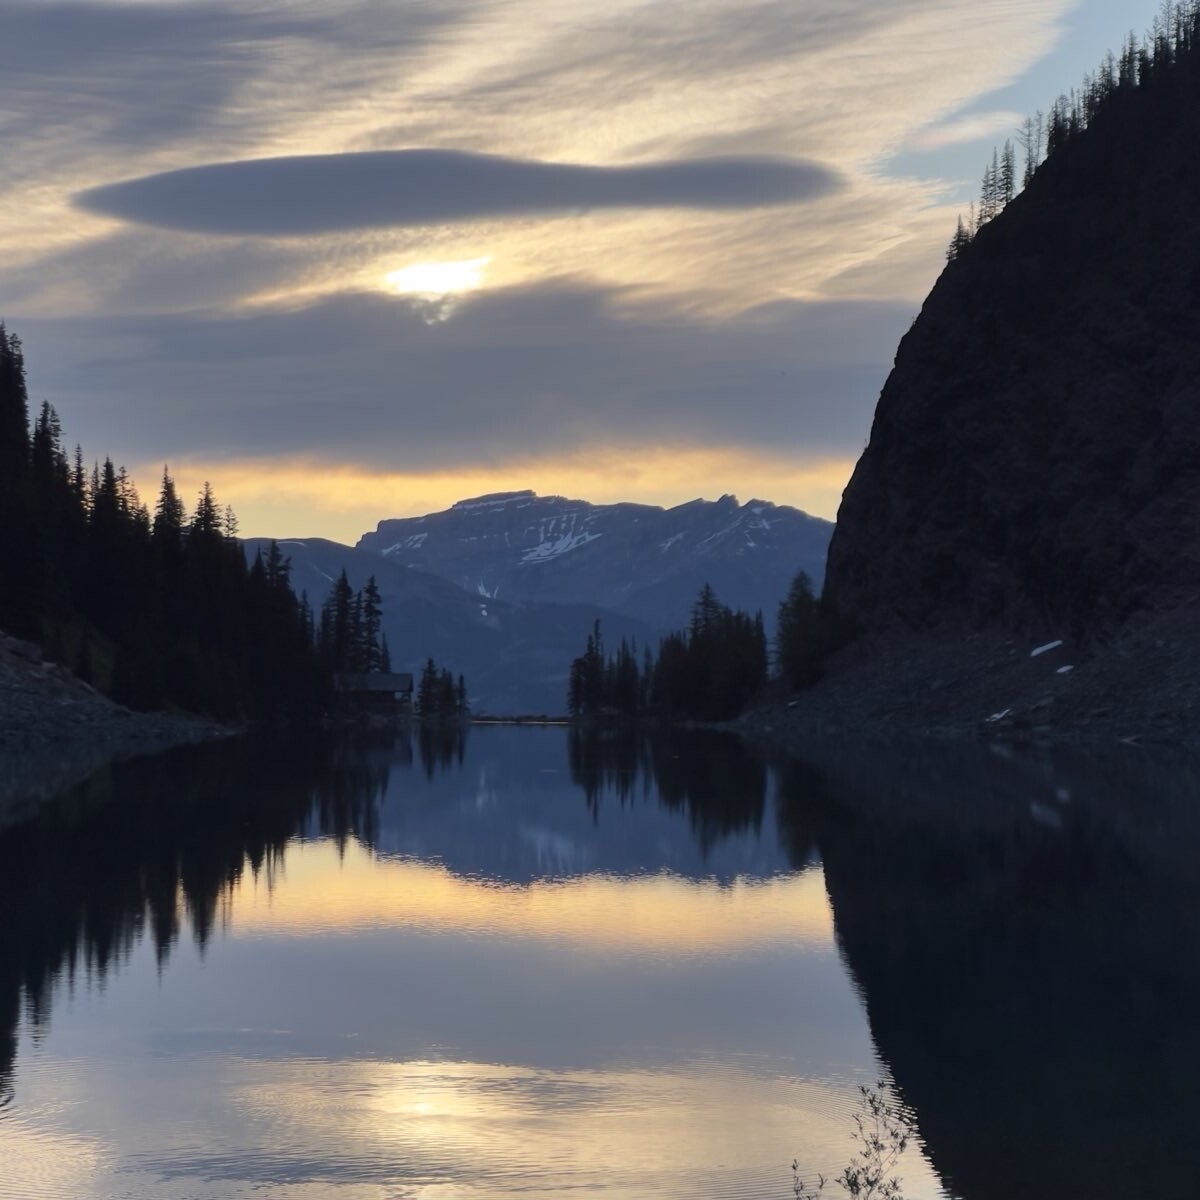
(1034, 462)
(515, 655)
(645, 562)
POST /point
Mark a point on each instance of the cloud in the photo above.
(970, 128)
(135, 75)
(320, 497)
(517, 374)
(641, 332)
(324, 193)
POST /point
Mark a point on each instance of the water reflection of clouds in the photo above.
(303, 1129)
(48, 1162)
(482, 1045)
(478, 1022)
(327, 890)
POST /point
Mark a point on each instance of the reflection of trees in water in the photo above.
(803, 802)
(1032, 989)
(147, 846)
(350, 783)
(610, 762)
(442, 745)
(713, 777)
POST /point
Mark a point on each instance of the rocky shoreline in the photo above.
(1142, 687)
(55, 730)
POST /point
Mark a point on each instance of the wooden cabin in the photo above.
(380, 692)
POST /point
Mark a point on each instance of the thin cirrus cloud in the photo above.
(966, 129)
(328, 193)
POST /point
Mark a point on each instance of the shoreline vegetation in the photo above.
(155, 608)
(126, 630)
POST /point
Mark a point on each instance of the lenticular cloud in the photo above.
(288, 197)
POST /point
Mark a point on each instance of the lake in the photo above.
(522, 961)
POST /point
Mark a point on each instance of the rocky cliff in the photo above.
(1034, 462)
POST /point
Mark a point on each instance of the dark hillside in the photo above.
(1034, 462)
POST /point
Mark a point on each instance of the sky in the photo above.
(358, 259)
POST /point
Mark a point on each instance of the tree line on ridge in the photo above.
(1170, 48)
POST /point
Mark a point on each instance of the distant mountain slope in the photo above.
(637, 559)
(515, 656)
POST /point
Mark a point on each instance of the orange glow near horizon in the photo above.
(660, 914)
(341, 501)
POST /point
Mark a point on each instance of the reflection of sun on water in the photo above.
(437, 280)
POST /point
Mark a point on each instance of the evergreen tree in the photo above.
(337, 649)
(959, 242)
(168, 515)
(798, 640)
(1008, 174)
(1029, 138)
(439, 697)
(427, 690)
(206, 520)
(14, 410)
(372, 623)
(356, 651)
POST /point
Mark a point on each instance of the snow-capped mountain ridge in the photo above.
(638, 559)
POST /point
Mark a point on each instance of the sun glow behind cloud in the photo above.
(435, 280)
(857, 86)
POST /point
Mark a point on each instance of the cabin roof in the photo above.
(372, 681)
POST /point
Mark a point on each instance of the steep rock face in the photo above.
(646, 562)
(1035, 455)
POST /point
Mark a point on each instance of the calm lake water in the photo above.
(528, 963)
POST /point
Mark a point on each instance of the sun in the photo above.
(435, 280)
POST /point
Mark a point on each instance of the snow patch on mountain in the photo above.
(492, 501)
(546, 550)
(415, 542)
(719, 536)
(640, 560)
